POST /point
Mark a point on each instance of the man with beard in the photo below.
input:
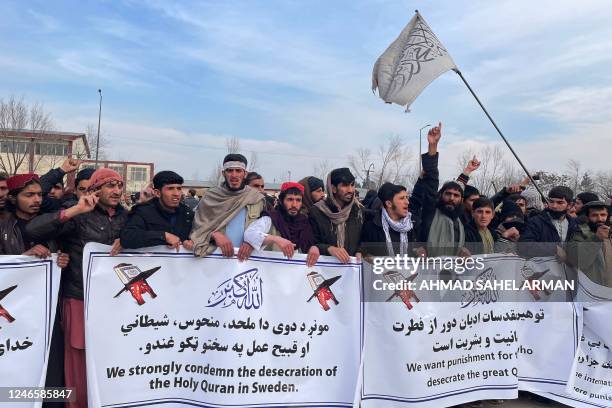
(3, 196)
(590, 249)
(337, 220)
(391, 229)
(446, 233)
(284, 228)
(163, 220)
(226, 211)
(97, 217)
(546, 233)
(313, 192)
(581, 200)
(439, 212)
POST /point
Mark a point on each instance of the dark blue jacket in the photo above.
(543, 237)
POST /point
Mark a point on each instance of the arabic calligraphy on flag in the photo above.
(410, 63)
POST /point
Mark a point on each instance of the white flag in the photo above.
(410, 63)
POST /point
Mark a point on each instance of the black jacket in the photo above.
(542, 236)
(325, 232)
(424, 197)
(11, 238)
(95, 226)
(148, 222)
(374, 241)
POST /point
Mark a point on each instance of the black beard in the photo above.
(453, 213)
(594, 226)
(556, 215)
(288, 217)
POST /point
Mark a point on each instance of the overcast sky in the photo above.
(292, 78)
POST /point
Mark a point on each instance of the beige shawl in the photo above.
(218, 206)
(339, 217)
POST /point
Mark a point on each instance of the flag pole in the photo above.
(500, 133)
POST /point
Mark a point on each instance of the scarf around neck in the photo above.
(441, 240)
(340, 215)
(403, 227)
(216, 209)
(296, 229)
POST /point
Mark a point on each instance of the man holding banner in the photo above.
(98, 217)
(226, 211)
(163, 220)
(284, 228)
(338, 219)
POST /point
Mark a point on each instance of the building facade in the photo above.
(26, 151)
(136, 174)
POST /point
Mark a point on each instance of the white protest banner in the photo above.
(168, 328)
(479, 343)
(28, 299)
(591, 377)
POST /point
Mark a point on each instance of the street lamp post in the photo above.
(420, 146)
(371, 166)
(98, 137)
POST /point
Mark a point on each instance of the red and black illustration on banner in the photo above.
(3, 312)
(322, 289)
(135, 281)
(533, 277)
(407, 295)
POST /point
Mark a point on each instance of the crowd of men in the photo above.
(312, 217)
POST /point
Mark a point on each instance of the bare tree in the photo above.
(253, 162)
(15, 114)
(603, 184)
(92, 141)
(232, 144)
(412, 176)
(321, 169)
(216, 175)
(495, 171)
(391, 163)
(360, 163)
(394, 159)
